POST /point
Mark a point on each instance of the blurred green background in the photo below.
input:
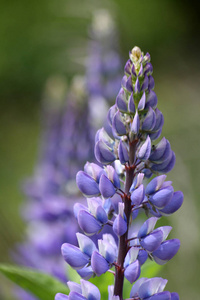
(41, 39)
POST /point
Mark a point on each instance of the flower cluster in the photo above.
(118, 189)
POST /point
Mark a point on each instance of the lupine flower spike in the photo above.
(118, 188)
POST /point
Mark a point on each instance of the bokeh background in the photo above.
(47, 39)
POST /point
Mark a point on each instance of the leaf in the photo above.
(42, 285)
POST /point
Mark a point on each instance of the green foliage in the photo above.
(39, 284)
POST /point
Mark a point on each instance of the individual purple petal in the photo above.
(151, 83)
(86, 184)
(60, 296)
(165, 230)
(103, 153)
(86, 272)
(147, 57)
(76, 296)
(162, 197)
(106, 187)
(149, 121)
(127, 68)
(101, 215)
(86, 245)
(145, 83)
(74, 256)
(150, 287)
(111, 114)
(107, 250)
(148, 69)
(174, 204)
(142, 102)
(132, 272)
(119, 225)
(123, 82)
(160, 296)
(123, 153)
(145, 150)
(137, 86)
(99, 263)
(129, 84)
(166, 251)
(73, 286)
(174, 296)
(151, 100)
(131, 256)
(160, 149)
(112, 176)
(170, 165)
(147, 227)
(133, 71)
(118, 124)
(155, 135)
(137, 196)
(78, 207)
(88, 223)
(121, 100)
(131, 104)
(89, 290)
(152, 241)
(137, 182)
(135, 126)
(142, 256)
(155, 184)
(93, 170)
(140, 71)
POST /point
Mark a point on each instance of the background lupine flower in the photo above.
(134, 123)
(67, 142)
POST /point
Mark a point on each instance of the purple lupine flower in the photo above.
(133, 126)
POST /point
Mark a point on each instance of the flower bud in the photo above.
(149, 120)
(135, 126)
(137, 196)
(145, 150)
(119, 225)
(132, 272)
(103, 153)
(86, 184)
(127, 68)
(118, 125)
(131, 104)
(88, 222)
(142, 102)
(151, 100)
(161, 198)
(145, 83)
(129, 85)
(99, 263)
(137, 86)
(74, 256)
(106, 187)
(152, 241)
(121, 101)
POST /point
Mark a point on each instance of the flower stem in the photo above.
(123, 247)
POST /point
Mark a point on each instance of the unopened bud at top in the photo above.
(136, 54)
